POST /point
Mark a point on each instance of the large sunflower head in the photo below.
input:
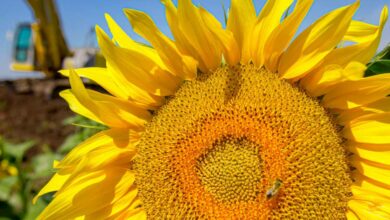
(245, 121)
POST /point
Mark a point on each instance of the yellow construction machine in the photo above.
(41, 46)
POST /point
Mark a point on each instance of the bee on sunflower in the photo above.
(242, 122)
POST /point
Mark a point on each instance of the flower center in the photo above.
(240, 143)
(231, 170)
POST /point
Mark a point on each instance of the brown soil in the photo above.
(33, 117)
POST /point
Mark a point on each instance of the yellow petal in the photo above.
(312, 45)
(84, 195)
(182, 43)
(283, 34)
(138, 214)
(372, 170)
(102, 77)
(351, 215)
(380, 106)
(366, 210)
(55, 184)
(320, 81)
(269, 18)
(104, 148)
(137, 68)
(377, 156)
(123, 109)
(242, 17)
(133, 93)
(112, 211)
(103, 108)
(351, 94)
(119, 35)
(176, 62)
(359, 31)
(84, 101)
(225, 38)
(76, 106)
(201, 40)
(372, 147)
(367, 38)
(191, 34)
(116, 84)
(371, 185)
(323, 80)
(371, 204)
(372, 128)
(362, 194)
(353, 71)
(125, 41)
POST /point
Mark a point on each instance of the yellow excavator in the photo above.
(41, 46)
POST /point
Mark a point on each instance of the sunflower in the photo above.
(242, 122)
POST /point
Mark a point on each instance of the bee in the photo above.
(271, 192)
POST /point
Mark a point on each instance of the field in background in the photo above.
(26, 117)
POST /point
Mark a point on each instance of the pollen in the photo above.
(240, 143)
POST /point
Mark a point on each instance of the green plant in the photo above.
(380, 63)
(85, 129)
(18, 180)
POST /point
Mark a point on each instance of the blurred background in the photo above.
(40, 37)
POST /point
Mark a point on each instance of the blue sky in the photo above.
(78, 16)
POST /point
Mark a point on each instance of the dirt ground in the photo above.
(33, 117)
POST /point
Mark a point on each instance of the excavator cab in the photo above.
(23, 58)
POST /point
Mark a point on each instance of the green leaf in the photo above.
(380, 63)
(17, 150)
(384, 54)
(6, 186)
(43, 165)
(70, 142)
(85, 129)
(378, 67)
(83, 122)
(225, 13)
(34, 210)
